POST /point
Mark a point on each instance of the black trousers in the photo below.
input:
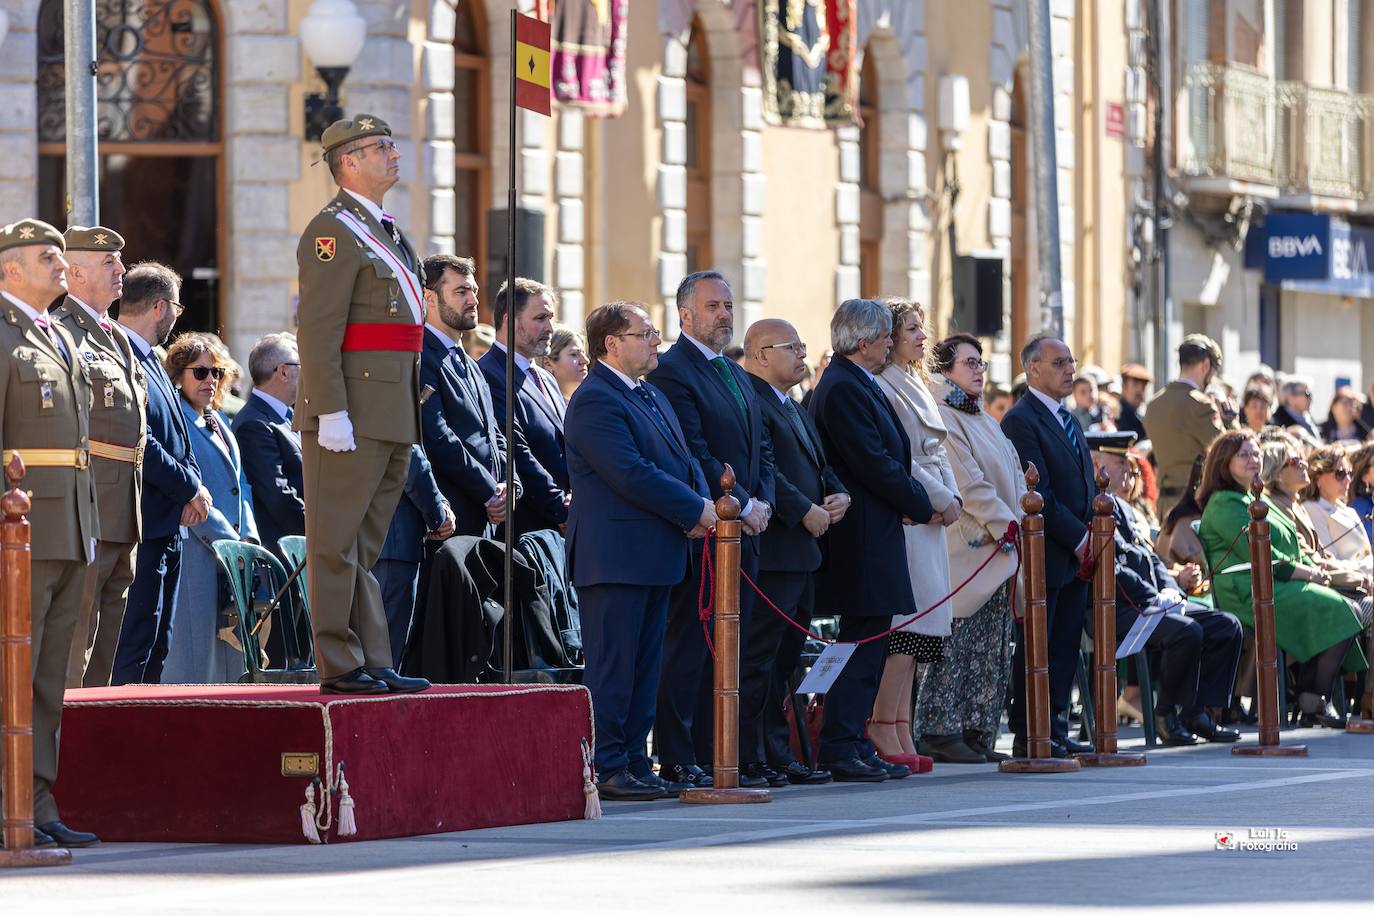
(685, 719)
(145, 633)
(1199, 653)
(770, 655)
(849, 704)
(1066, 608)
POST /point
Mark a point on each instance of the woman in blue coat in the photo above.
(204, 647)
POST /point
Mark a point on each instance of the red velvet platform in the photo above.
(205, 764)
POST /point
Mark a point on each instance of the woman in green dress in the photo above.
(1312, 623)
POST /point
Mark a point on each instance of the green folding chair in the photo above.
(240, 560)
(292, 547)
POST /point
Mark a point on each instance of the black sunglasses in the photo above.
(202, 372)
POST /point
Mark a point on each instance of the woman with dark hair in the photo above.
(1362, 486)
(1177, 545)
(1343, 423)
(1255, 408)
(1336, 526)
(1312, 623)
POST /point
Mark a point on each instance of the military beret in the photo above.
(96, 238)
(341, 132)
(1202, 341)
(30, 232)
(1113, 442)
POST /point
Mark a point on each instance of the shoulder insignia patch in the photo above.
(324, 247)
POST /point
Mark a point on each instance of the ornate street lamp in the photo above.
(332, 33)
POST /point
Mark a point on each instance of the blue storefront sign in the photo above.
(1313, 252)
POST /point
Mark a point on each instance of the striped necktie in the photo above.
(1070, 429)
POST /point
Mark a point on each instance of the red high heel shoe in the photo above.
(919, 763)
(913, 761)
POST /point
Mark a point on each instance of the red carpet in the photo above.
(204, 764)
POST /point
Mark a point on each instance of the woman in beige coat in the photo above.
(902, 380)
(962, 694)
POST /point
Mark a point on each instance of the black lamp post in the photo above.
(332, 33)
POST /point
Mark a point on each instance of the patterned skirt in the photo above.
(966, 689)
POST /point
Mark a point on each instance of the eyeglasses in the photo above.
(975, 364)
(175, 305)
(1341, 473)
(386, 146)
(1064, 362)
(201, 373)
(797, 347)
(1295, 461)
(646, 335)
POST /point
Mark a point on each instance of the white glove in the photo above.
(1171, 600)
(336, 432)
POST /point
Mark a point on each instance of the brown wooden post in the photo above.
(1103, 547)
(16, 681)
(1266, 650)
(1036, 651)
(725, 788)
(1364, 724)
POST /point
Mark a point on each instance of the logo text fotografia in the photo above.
(1256, 839)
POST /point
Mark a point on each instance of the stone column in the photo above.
(19, 112)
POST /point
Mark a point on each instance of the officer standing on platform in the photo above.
(361, 330)
(119, 422)
(45, 398)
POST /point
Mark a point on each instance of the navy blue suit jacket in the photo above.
(420, 511)
(462, 436)
(1066, 482)
(1140, 573)
(272, 463)
(716, 431)
(865, 567)
(637, 488)
(171, 477)
(541, 463)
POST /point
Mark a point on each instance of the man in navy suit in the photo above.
(720, 416)
(422, 514)
(1046, 434)
(271, 449)
(640, 497)
(173, 494)
(539, 406)
(864, 578)
(810, 497)
(462, 436)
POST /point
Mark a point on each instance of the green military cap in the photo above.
(363, 125)
(1203, 342)
(30, 232)
(96, 238)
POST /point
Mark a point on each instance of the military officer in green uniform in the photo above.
(46, 397)
(95, 271)
(361, 330)
(1182, 420)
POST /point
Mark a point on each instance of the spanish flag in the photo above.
(532, 48)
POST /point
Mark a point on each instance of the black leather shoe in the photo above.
(689, 774)
(799, 775)
(893, 770)
(1020, 748)
(1204, 726)
(672, 789)
(624, 786)
(65, 836)
(40, 840)
(852, 769)
(762, 771)
(398, 683)
(356, 681)
(1171, 731)
(1071, 746)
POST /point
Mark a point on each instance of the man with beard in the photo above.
(717, 407)
(95, 279)
(539, 407)
(462, 436)
(172, 492)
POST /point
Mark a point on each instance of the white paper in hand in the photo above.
(827, 668)
(1139, 633)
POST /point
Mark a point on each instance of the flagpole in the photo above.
(507, 644)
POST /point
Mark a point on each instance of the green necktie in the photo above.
(723, 367)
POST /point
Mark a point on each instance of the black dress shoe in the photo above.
(356, 681)
(1071, 746)
(798, 775)
(762, 771)
(624, 786)
(1171, 731)
(672, 789)
(893, 770)
(398, 683)
(40, 840)
(65, 836)
(852, 769)
(1020, 748)
(1204, 726)
(687, 773)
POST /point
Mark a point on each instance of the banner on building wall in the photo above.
(808, 57)
(589, 45)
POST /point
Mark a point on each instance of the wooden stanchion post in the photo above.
(1266, 650)
(725, 788)
(1036, 636)
(1105, 753)
(1364, 724)
(16, 681)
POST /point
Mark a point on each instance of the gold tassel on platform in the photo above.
(308, 811)
(592, 809)
(348, 824)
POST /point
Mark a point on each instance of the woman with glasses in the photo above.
(1343, 423)
(1313, 624)
(1338, 527)
(1295, 406)
(205, 649)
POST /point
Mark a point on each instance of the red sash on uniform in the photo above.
(410, 337)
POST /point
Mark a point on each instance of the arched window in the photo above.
(698, 130)
(158, 92)
(471, 133)
(870, 195)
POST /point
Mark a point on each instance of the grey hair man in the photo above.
(271, 449)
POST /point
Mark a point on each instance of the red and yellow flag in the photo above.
(532, 48)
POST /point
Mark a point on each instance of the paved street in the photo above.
(1138, 838)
